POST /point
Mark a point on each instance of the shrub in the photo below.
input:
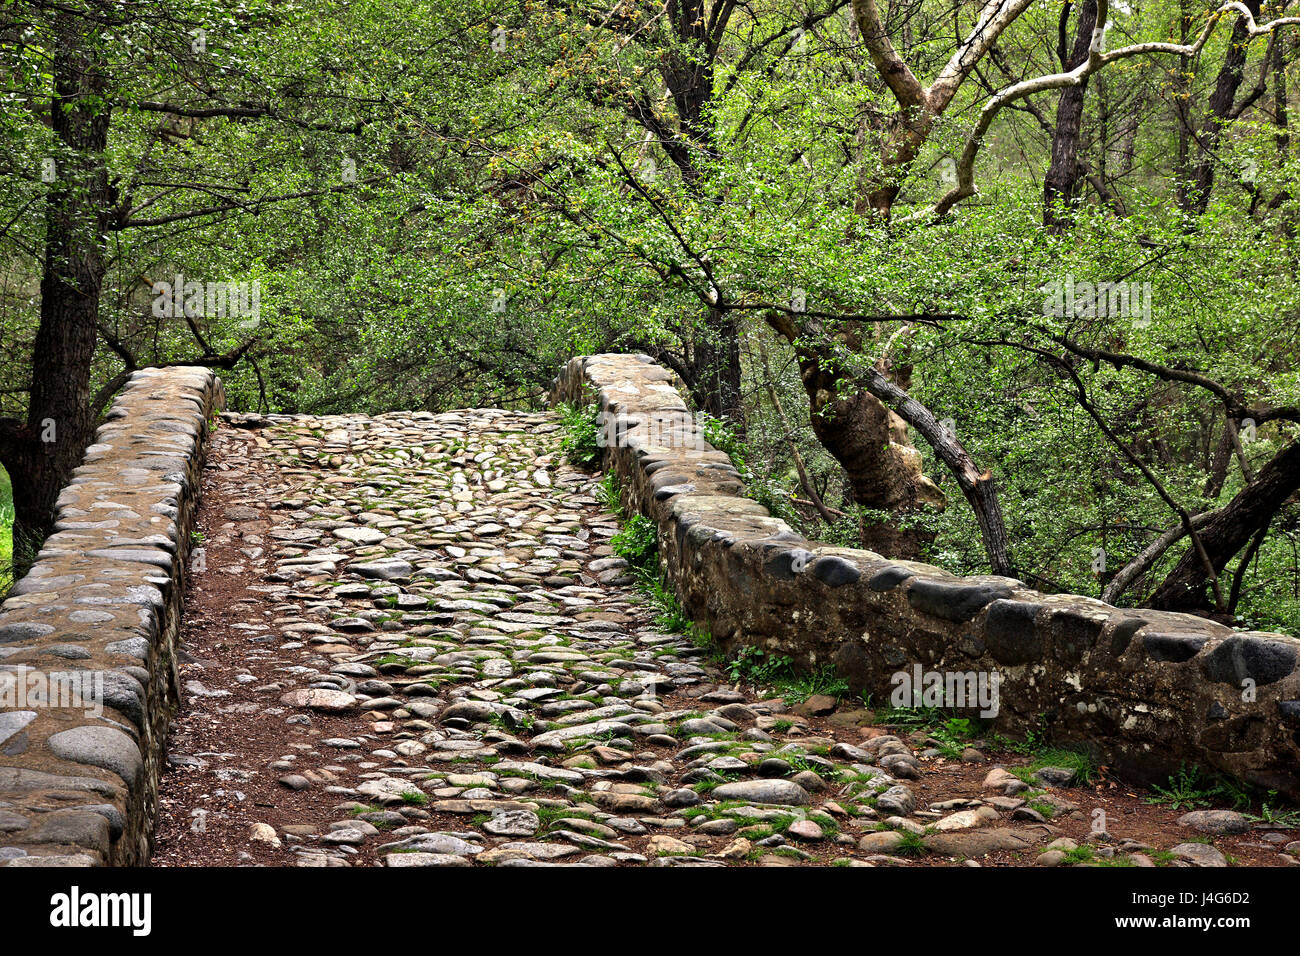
(638, 542)
(581, 426)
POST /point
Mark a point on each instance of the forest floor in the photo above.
(408, 643)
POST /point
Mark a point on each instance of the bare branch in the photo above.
(1126, 576)
(994, 19)
(1097, 59)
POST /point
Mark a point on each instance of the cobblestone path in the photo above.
(409, 644)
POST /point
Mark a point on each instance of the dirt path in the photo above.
(408, 644)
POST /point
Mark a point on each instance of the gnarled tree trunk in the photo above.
(872, 445)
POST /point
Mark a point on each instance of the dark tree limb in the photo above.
(1183, 589)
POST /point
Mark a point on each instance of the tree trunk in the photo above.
(1182, 115)
(1280, 109)
(1063, 183)
(872, 445)
(903, 141)
(1230, 531)
(712, 372)
(1282, 134)
(716, 372)
(1221, 101)
(41, 455)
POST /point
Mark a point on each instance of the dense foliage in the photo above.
(443, 201)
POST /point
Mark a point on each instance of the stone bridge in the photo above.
(406, 641)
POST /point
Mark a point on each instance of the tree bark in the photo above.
(41, 454)
(870, 442)
(918, 106)
(904, 138)
(1127, 576)
(715, 370)
(712, 372)
(977, 486)
(1180, 85)
(1280, 99)
(1230, 531)
(1282, 134)
(1064, 180)
(1220, 111)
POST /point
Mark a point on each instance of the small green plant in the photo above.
(1242, 795)
(1080, 854)
(1084, 767)
(915, 718)
(522, 722)
(910, 844)
(394, 659)
(952, 736)
(758, 666)
(949, 735)
(828, 824)
(708, 786)
(670, 616)
(764, 668)
(959, 727)
(1032, 742)
(581, 439)
(723, 436)
(609, 492)
(1188, 788)
(1043, 808)
(638, 542)
(1273, 816)
(800, 687)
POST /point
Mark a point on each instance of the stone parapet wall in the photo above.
(1146, 692)
(88, 636)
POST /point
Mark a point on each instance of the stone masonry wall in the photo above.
(88, 636)
(1144, 691)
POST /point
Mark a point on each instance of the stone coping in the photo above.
(1145, 692)
(88, 636)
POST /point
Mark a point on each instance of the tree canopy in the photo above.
(1008, 286)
